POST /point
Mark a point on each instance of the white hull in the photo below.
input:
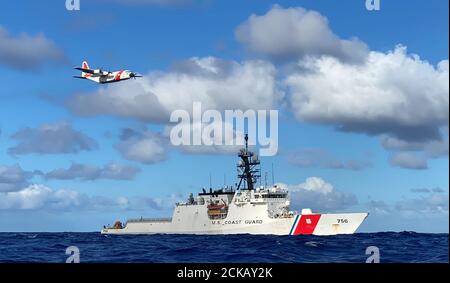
(191, 220)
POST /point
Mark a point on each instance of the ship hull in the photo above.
(309, 224)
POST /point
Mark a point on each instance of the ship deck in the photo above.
(138, 220)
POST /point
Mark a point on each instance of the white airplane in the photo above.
(103, 77)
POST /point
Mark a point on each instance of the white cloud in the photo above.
(13, 178)
(142, 146)
(434, 149)
(112, 170)
(379, 207)
(426, 211)
(38, 197)
(319, 195)
(293, 33)
(315, 157)
(218, 143)
(147, 150)
(27, 52)
(395, 95)
(218, 84)
(414, 154)
(426, 190)
(392, 93)
(314, 184)
(51, 139)
(408, 160)
(431, 148)
(429, 203)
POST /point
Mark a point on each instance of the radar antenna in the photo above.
(248, 168)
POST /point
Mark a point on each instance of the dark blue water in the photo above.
(93, 247)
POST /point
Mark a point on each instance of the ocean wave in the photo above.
(94, 247)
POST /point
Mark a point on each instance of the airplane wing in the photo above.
(78, 77)
(89, 71)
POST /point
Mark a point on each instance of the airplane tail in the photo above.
(84, 65)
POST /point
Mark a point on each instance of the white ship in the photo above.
(246, 210)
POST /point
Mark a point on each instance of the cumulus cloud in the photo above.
(392, 93)
(224, 141)
(379, 207)
(112, 170)
(420, 190)
(39, 197)
(293, 33)
(415, 154)
(144, 203)
(217, 83)
(314, 184)
(161, 203)
(13, 178)
(431, 149)
(426, 190)
(143, 146)
(426, 214)
(319, 195)
(408, 160)
(437, 190)
(428, 202)
(51, 139)
(400, 97)
(315, 157)
(27, 52)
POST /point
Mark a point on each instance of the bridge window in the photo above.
(274, 196)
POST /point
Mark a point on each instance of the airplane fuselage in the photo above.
(110, 77)
(103, 77)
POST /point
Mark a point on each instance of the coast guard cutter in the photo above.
(248, 209)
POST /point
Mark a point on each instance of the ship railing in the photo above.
(186, 203)
(134, 220)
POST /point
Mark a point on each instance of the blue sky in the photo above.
(404, 186)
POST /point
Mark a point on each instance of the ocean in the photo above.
(403, 247)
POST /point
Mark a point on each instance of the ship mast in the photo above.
(248, 170)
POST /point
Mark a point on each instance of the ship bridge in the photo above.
(218, 202)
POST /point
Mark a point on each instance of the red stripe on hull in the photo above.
(307, 224)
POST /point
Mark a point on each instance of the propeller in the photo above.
(105, 73)
(135, 75)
